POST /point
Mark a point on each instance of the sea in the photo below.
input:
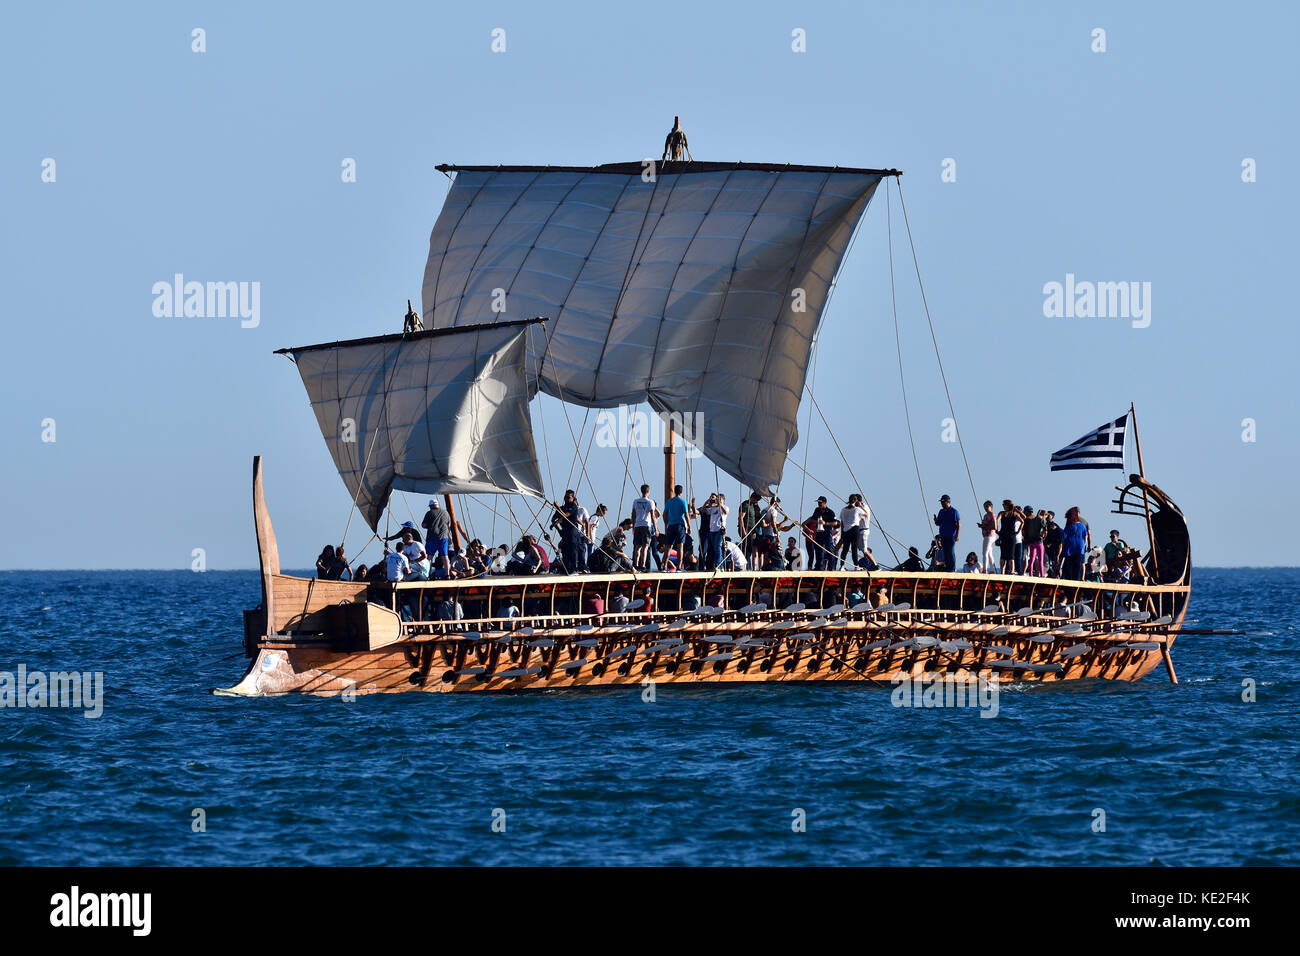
(1091, 773)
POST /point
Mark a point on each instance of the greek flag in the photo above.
(1101, 448)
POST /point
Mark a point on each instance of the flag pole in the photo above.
(1146, 501)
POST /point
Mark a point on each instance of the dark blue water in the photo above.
(1187, 774)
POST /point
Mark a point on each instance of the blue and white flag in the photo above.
(1101, 448)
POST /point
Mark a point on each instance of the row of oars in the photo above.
(1085, 623)
(671, 643)
(947, 640)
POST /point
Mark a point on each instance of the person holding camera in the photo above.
(713, 522)
(824, 523)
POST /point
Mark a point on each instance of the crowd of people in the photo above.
(1018, 539)
(684, 536)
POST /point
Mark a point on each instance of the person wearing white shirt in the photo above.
(855, 524)
(396, 566)
(594, 523)
(735, 558)
(645, 514)
(418, 560)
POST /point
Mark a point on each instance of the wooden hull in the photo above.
(545, 633)
(553, 648)
(309, 667)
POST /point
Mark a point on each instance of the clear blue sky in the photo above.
(225, 165)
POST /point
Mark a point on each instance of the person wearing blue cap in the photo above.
(397, 535)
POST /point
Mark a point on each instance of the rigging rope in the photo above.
(627, 470)
(898, 345)
(469, 520)
(494, 511)
(833, 492)
(816, 352)
(844, 458)
(636, 444)
(577, 446)
(366, 464)
(550, 477)
(534, 518)
(935, 340)
(811, 389)
(546, 502)
(690, 486)
(374, 536)
(803, 482)
(580, 459)
(585, 455)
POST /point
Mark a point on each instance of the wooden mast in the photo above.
(451, 515)
(674, 146)
(670, 470)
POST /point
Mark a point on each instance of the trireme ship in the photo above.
(697, 288)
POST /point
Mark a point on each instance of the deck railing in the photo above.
(549, 599)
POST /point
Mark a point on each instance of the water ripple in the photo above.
(1185, 775)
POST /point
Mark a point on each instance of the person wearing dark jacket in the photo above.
(913, 562)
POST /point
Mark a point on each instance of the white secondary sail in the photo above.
(698, 290)
(438, 412)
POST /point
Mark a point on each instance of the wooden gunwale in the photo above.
(537, 597)
(658, 578)
(704, 629)
(804, 587)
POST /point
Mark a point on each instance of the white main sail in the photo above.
(698, 291)
(436, 412)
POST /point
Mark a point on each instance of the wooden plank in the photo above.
(268, 552)
(298, 601)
